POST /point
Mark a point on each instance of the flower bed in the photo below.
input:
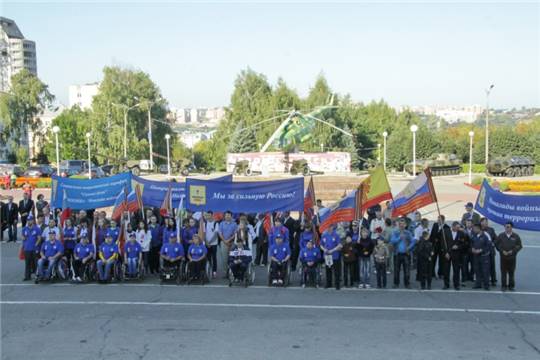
(530, 186)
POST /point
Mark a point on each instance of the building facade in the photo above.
(17, 53)
(82, 95)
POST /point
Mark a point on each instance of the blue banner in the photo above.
(522, 210)
(84, 194)
(153, 191)
(246, 197)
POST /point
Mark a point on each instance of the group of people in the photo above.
(349, 252)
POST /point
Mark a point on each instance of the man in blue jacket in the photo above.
(280, 253)
(331, 248)
(30, 234)
(309, 257)
(403, 241)
(51, 251)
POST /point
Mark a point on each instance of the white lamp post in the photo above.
(488, 91)
(414, 129)
(167, 137)
(385, 135)
(379, 155)
(126, 110)
(471, 135)
(322, 147)
(89, 155)
(55, 130)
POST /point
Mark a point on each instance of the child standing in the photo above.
(365, 248)
(349, 261)
(381, 255)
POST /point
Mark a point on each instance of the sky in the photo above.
(405, 53)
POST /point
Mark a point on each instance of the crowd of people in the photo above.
(347, 253)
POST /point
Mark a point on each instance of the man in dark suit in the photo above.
(292, 225)
(26, 207)
(440, 237)
(458, 245)
(3, 223)
(492, 236)
(11, 214)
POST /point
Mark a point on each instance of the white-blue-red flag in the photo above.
(417, 194)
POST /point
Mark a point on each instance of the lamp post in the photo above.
(379, 155)
(414, 129)
(167, 137)
(126, 110)
(471, 135)
(322, 147)
(55, 130)
(488, 91)
(89, 155)
(385, 135)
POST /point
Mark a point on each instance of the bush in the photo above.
(477, 180)
(476, 168)
(43, 184)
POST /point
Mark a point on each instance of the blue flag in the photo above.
(85, 194)
(245, 197)
(522, 210)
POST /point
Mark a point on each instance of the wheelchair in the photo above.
(172, 273)
(58, 273)
(202, 276)
(286, 276)
(314, 279)
(141, 272)
(248, 277)
(89, 272)
(117, 273)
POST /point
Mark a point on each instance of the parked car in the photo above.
(73, 165)
(39, 171)
(107, 169)
(10, 169)
(163, 169)
(67, 172)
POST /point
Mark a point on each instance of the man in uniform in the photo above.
(30, 234)
(470, 214)
(481, 250)
(508, 244)
(11, 216)
(280, 253)
(331, 248)
(51, 251)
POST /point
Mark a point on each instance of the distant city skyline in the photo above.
(406, 54)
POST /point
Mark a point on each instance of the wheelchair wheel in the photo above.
(287, 279)
(118, 271)
(60, 272)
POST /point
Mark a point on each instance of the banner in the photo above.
(522, 210)
(153, 191)
(85, 194)
(245, 197)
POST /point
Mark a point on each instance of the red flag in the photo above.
(358, 213)
(268, 223)
(122, 238)
(166, 205)
(309, 200)
(21, 253)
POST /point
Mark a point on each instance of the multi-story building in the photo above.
(16, 53)
(82, 95)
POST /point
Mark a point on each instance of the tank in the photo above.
(510, 166)
(441, 164)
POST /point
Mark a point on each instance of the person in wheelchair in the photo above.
(172, 254)
(310, 257)
(51, 252)
(280, 253)
(197, 259)
(132, 256)
(108, 256)
(239, 260)
(83, 256)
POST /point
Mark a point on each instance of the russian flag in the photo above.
(417, 194)
(120, 205)
(344, 210)
(309, 200)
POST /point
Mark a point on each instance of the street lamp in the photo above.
(167, 137)
(126, 110)
(55, 130)
(379, 156)
(414, 129)
(322, 147)
(150, 104)
(385, 135)
(89, 157)
(471, 135)
(488, 91)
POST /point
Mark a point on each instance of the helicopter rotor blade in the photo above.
(331, 125)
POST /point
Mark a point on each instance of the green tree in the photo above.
(74, 123)
(19, 107)
(242, 140)
(121, 88)
(320, 94)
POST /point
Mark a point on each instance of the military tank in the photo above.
(440, 164)
(510, 166)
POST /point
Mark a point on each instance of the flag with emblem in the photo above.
(373, 190)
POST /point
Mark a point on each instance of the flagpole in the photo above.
(432, 188)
